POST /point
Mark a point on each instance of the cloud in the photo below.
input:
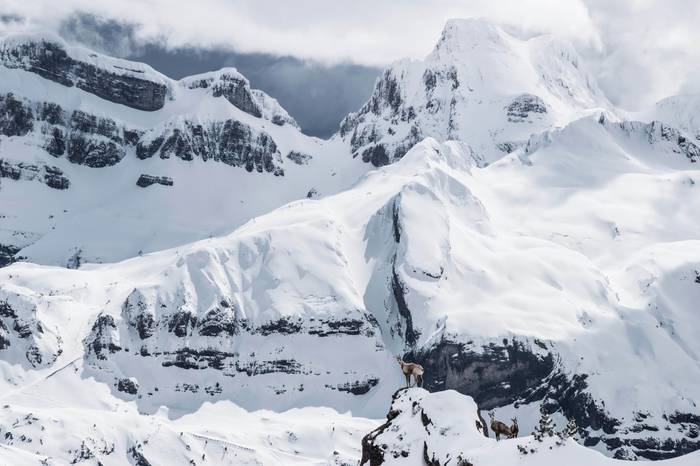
(373, 32)
(641, 50)
(104, 35)
(649, 49)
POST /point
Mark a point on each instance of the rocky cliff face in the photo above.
(110, 79)
(231, 142)
(223, 350)
(83, 138)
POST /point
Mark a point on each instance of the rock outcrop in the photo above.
(24, 338)
(49, 175)
(231, 142)
(145, 181)
(108, 78)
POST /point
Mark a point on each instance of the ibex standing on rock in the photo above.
(411, 369)
(500, 428)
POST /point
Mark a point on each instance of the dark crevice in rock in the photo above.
(410, 334)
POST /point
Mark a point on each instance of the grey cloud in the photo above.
(639, 50)
(8, 18)
(318, 96)
(104, 35)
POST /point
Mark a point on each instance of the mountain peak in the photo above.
(462, 34)
(480, 86)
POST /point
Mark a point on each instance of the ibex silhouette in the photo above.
(411, 369)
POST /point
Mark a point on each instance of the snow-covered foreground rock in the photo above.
(441, 428)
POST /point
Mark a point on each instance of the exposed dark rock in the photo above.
(6, 310)
(376, 155)
(569, 394)
(410, 334)
(128, 386)
(218, 321)
(187, 358)
(54, 178)
(233, 87)
(101, 341)
(181, 323)
(335, 327)
(85, 147)
(496, 375)
(22, 328)
(146, 149)
(137, 456)
(50, 60)
(49, 175)
(523, 106)
(231, 142)
(287, 366)
(87, 139)
(16, 117)
(4, 336)
(359, 387)
(387, 93)
(508, 147)
(147, 180)
(8, 254)
(284, 326)
(299, 157)
(658, 130)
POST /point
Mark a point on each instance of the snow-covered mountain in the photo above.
(536, 251)
(113, 158)
(479, 85)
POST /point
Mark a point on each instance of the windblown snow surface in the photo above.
(252, 311)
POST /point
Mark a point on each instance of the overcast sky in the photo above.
(320, 57)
